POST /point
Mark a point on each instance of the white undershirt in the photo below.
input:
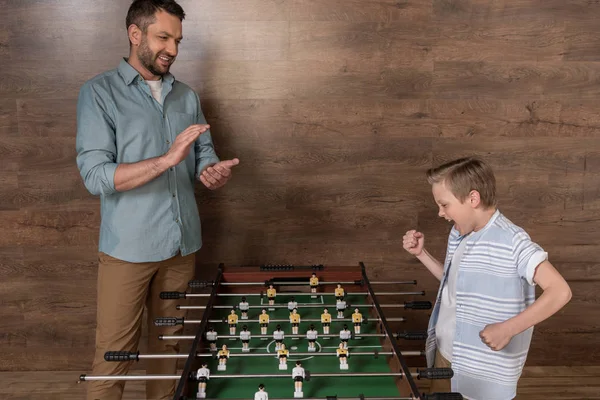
(156, 89)
(446, 323)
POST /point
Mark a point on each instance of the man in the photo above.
(142, 142)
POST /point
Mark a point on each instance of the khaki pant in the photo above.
(123, 290)
(440, 385)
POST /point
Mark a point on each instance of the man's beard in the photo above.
(149, 60)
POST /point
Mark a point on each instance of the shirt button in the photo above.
(173, 194)
(168, 141)
(177, 220)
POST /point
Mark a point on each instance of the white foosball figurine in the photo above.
(345, 335)
(263, 319)
(232, 318)
(245, 338)
(295, 321)
(202, 375)
(278, 335)
(223, 356)
(271, 293)
(261, 394)
(340, 306)
(311, 335)
(292, 304)
(283, 354)
(211, 337)
(357, 319)
(314, 284)
(298, 377)
(343, 354)
(326, 321)
(244, 307)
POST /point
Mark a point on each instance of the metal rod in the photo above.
(420, 293)
(243, 321)
(332, 306)
(316, 353)
(189, 337)
(228, 376)
(337, 398)
(264, 283)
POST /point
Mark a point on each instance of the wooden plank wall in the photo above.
(335, 109)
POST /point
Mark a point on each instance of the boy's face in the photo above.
(451, 208)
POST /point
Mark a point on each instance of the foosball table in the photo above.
(289, 332)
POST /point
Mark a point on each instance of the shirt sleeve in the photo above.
(95, 142)
(205, 151)
(528, 255)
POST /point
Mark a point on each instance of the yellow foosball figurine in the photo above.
(232, 319)
(223, 356)
(314, 284)
(271, 293)
(263, 319)
(283, 354)
(295, 321)
(357, 319)
(339, 292)
(343, 354)
(326, 321)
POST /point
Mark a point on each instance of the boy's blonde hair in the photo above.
(465, 174)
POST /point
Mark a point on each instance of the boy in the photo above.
(482, 322)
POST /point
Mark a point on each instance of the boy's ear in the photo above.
(474, 198)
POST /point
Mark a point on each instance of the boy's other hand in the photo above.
(413, 242)
(496, 336)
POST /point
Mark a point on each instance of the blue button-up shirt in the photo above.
(118, 121)
(494, 283)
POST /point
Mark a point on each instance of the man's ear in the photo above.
(135, 34)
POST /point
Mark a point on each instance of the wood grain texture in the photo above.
(335, 109)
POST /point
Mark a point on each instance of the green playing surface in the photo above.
(283, 387)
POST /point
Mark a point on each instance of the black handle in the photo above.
(306, 375)
(172, 295)
(122, 356)
(435, 373)
(168, 321)
(412, 335)
(195, 284)
(418, 305)
(442, 396)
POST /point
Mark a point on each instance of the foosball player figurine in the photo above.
(339, 292)
(298, 377)
(202, 375)
(271, 293)
(232, 318)
(263, 319)
(245, 338)
(345, 335)
(261, 394)
(211, 336)
(295, 320)
(326, 321)
(223, 356)
(283, 354)
(244, 307)
(342, 354)
(340, 306)
(311, 335)
(314, 284)
(292, 304)
(358, 320)
(278, 335)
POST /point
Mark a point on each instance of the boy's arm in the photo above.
(433, 265)
(556, 294)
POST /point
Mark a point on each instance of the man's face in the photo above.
(159, 46)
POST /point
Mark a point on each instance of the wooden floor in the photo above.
(537, 383)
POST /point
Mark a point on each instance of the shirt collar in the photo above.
(129, 74)
(489, 223)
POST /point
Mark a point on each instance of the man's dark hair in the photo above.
(141, 12)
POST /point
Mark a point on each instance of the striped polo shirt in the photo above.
(494, 283)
